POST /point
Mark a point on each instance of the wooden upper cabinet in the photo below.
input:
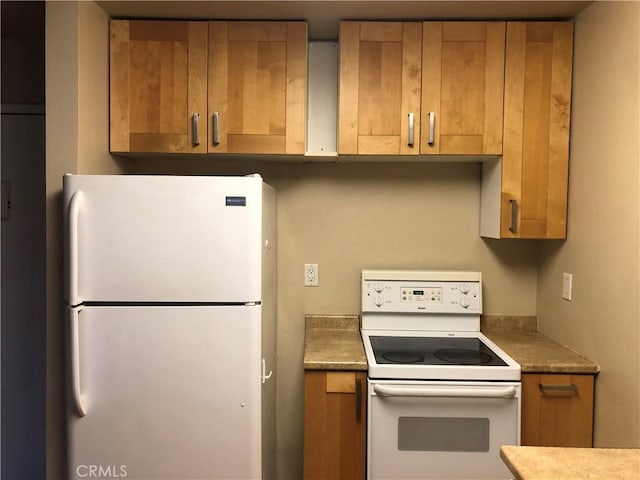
(257, 87)
(158, 83)
(536, 129)
(462, 88)
(169, 78)
(380, 82)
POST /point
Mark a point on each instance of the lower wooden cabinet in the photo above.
(557, 410)
(335, 421)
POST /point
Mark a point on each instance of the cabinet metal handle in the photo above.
(557, 388)
(194, 127)
(513, 226)
(432, 128)
(216, 115)
(410, 135)
(358, 399)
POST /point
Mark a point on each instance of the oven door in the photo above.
(443, 430)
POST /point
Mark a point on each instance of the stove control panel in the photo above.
(421, 295)
(422, 292)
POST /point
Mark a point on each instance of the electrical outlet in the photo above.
(567, 285)
(310, 274)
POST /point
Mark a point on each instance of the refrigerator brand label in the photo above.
(236, 201)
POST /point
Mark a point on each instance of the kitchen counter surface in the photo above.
(333, 342)
(535, 352)
(558, 463)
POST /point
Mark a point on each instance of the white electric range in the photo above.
(442, 397)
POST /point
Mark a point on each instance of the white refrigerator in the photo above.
(170, 291)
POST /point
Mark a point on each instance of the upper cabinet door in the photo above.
(536, 129)
(380, 81)
(158, 85)
(257, 87)
(462, 88)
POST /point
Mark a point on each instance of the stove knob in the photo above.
(464, 302)
(464, 288)
(379, 301)
(378, 287)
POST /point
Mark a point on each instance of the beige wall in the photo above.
(602, 250)
(93, 91)
(77, 123)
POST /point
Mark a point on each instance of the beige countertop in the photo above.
(558, 463)
(333, 342)
(535, 352)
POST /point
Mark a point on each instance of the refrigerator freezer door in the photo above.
(163, 238)
(168, 393)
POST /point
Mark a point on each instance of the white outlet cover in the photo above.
(310, 274)
(567, 285)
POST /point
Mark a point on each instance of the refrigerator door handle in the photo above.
(78, 398)
(265, 376)
(74, 217)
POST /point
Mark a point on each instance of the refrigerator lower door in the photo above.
(166, 392)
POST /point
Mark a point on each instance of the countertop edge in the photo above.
(571, 463)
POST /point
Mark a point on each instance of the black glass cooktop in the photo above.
(433, 351)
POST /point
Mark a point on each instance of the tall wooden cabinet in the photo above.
(379, 89)
(335, 424)
(257, 87)
(462, 88)
(557, 410)
(537, 111)
(208, 87)
(158, 86)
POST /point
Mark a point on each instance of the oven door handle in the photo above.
(433, 391)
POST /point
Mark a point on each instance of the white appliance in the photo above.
(170, 287)
(442, 397)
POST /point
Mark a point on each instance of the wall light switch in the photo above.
(567, 285)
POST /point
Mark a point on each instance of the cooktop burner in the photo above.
(403, 357)
(462, 356)
(433, 351)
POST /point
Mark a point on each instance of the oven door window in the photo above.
(443, 434)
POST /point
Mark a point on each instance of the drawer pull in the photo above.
(557, 388)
